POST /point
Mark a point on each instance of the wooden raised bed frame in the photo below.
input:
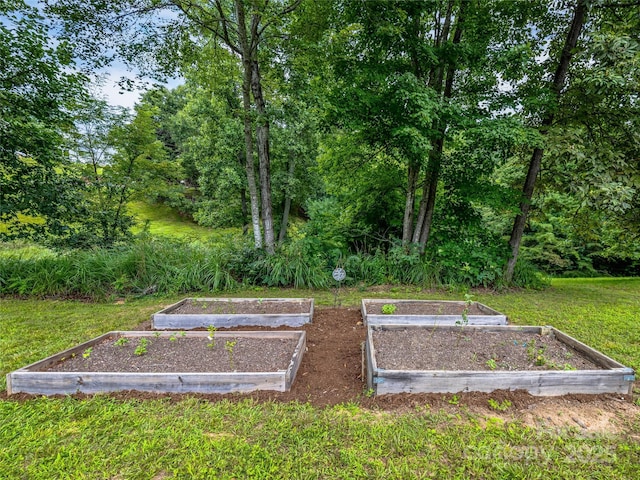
(614, 378)
(165, 320)
(33, 379)
(490, 317)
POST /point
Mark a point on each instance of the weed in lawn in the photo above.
(141, 349)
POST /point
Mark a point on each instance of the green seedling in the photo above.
(212, 336)
(173, 337)
(141, 349)
(229, 346)
(87, 352)
(156, 334)
(388, 309)
(491, 363)
(121, 342)
(502, 406)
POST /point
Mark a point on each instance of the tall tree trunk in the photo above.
(262, 139)
(409, 233)
(243, 202)
(422, 211)
(287, 202)
(412, 183)
(430, 187)
(535, 163)
(245, 49)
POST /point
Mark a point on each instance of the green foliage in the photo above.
(388, 309)
(38, 87)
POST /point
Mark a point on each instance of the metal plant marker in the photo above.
(338, 275)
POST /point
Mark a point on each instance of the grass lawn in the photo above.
(166, 221)
(107, 437)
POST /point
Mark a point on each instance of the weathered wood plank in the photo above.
(594, 355)
(296, 360)
(43, 383)
(544, 383)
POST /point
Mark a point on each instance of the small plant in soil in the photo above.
(491, 363)
(502, 406)
(121, 342)
(156, 334)
(173, 337)
(87, 352)
(388, 309)
(212, 336)
(229, 346)
(454, 400)
(141, 349)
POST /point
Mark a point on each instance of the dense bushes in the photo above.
(170, 266)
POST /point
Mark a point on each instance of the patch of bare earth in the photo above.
(331, 373)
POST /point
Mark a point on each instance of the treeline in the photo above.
(444, 141)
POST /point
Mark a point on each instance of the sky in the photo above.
(109, 89)
(114, 95)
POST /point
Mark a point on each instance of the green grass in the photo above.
(104, 437)
(166, 221)
(107, 438)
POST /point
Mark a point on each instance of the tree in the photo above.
(571, 40)
(38, 87)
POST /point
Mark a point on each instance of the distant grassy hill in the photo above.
(166, 221)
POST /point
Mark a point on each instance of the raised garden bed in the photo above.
(446, 359)
(176, 362)
(234, 312)
(429, 312)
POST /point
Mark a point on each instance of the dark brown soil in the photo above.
(473, 349)
(183, 354)
(220, 307)
(428, 308)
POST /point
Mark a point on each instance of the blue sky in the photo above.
(110, 90)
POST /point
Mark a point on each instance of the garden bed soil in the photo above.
(474, 349)
(429, 312)
(431, 307)
(199, 306)
(177, 353)
(191, 313)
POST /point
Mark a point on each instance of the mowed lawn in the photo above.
(107, 437)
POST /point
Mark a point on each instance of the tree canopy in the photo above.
(475, 137)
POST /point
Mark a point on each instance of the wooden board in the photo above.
(614, 378)
(490, 316)
(166, 320)
(34, 379)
